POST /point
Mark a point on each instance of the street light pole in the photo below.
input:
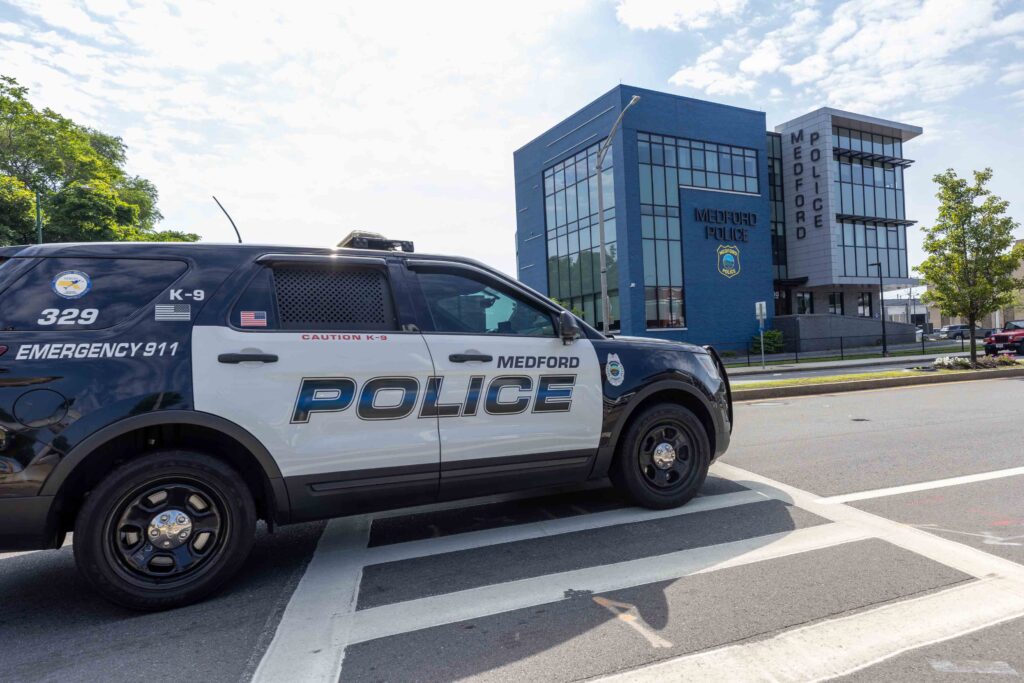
(881, 307)
(606, 304)
(39, 221)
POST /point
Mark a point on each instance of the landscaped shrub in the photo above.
(772, 342)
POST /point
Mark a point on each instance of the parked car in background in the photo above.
(962, 332)
(1010, 338)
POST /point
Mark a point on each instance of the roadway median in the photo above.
(810, 386)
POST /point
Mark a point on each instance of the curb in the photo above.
(807, 366)
(863, 384)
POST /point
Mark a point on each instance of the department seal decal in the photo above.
(729, 260)
(614, 371)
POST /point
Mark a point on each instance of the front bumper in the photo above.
(25, 524)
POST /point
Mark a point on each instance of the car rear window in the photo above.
(84, 293)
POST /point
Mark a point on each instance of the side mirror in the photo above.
(568, 329)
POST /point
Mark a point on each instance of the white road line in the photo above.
(837, 647)
(309, 644)
(923, 486)
(973, 666)
(552, 527)
(972, 561)
(413, 615)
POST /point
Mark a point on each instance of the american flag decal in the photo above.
(254, 318)
(171, 312)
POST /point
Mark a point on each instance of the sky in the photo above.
(311, 119)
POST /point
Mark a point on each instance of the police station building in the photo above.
(706, 213)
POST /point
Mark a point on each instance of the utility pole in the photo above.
(606, 304)
(881, 306)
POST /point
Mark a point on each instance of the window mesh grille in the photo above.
(344, 299)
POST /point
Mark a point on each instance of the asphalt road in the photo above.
(871, 536)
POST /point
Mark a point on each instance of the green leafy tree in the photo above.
(17, 212)
(971, 252)
(79, 175)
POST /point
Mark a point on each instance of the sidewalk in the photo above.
(838, 364)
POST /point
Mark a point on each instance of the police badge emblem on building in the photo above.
(729, 260)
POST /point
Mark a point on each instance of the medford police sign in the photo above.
(815, 177)
(726, 226)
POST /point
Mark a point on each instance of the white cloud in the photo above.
(867, 54)
(1013, 74)
(710, 76)
(674, 15)
(310, 119)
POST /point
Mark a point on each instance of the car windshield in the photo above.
(1014, 325)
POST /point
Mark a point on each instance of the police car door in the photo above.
(516, 406)
(312, 362)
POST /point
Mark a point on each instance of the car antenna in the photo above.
(229, 218)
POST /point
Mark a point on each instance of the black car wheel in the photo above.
(164, 530)
(663, 458)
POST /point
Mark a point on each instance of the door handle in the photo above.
(467, 357)
(235, 358)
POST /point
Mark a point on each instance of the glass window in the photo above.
(570, 201)
(864, 304)
(804, 303)
(835, 303)
(462, 305)
(95, 293)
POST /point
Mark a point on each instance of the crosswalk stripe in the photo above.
(413, 615)
(524, 532)
(309, 644)
(838, 647)
(976, 563)
(922, 486)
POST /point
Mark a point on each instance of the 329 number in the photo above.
(68, 316)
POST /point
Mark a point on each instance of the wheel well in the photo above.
(679, 397)
(139, 442)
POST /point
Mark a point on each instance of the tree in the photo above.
(17, 212)
(971, 252)
(79, 175)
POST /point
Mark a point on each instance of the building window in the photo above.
(835, 303)
(571, 229)
(804, 303)
(872, 143)
(864, 243)
(873, 189)
(693, 163)
(660, 232)
(864, 305)
(778, 216)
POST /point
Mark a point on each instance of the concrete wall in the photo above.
(819, 332)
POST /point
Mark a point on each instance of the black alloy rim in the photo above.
(666, 479)
(129, 531)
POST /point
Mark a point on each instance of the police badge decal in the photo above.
(729, 260)
(614, 371)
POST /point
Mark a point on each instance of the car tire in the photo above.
(663, 458)
(164, 530)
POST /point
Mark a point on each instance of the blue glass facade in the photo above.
(688, 204)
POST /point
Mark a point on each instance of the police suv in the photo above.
(158, 399)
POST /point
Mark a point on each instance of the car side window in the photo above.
(459, 304)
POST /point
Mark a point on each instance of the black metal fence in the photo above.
(817, 349)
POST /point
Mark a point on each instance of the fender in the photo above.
(629, 403)
(279, 504)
